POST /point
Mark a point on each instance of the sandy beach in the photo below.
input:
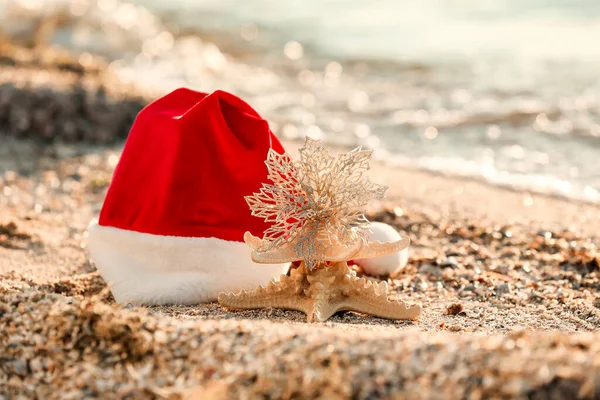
(508, 281)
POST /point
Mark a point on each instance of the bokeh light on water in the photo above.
(503, 91)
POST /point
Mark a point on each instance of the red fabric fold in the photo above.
(188, 162)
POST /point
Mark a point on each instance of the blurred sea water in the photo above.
(507, 92)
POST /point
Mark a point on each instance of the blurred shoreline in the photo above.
(524, 117)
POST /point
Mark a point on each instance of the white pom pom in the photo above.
(385, 265)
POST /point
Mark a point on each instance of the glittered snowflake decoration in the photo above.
(316, 202)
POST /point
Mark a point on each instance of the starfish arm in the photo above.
(254, 299)
(378, 249)
(286, 293)
(321, 311)
(368, 297)
(252, 241)
(287, 253)
(380, 306)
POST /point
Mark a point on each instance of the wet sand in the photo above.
(509, 283)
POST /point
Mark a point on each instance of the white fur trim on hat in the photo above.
(142, 268)
(385, 265)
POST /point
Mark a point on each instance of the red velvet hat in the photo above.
(172, 224)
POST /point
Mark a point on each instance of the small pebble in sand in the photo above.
(454, 309)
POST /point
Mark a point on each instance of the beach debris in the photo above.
(316, 207)
(59, 100)
(12, 231)
(454, 309)
(11, 237)
(85, 285)
(505, 288)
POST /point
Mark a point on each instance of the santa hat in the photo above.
(172, 224)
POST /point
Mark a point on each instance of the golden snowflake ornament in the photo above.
(316, 202)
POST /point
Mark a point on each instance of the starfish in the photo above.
(322, 291)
